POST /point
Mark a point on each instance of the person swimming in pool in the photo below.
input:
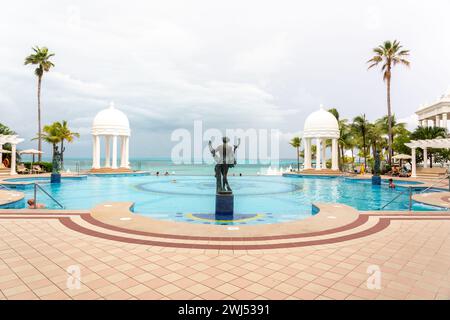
(391, 184)
(31, 205)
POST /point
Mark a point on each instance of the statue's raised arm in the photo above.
(211, 149)
(237, 145)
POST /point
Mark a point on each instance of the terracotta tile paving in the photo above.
(412, 255)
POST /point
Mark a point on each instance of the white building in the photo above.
(320, 126)
(112, 125)
(14, 140)
(435, 114)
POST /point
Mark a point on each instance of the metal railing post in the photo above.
(35, 195)
(410, 198)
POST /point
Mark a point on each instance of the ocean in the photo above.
(163, 165)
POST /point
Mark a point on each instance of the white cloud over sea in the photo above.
(232, 64)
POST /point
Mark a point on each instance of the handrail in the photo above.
(36, 185)
(5, 187)
(77, 167)
(396, 197)
(446, 177)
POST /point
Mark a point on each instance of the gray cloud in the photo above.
(233, 64)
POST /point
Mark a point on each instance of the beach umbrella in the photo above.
(32, 152)
(402, 157)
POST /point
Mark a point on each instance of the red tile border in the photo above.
(358, 222)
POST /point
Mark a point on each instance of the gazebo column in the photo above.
(413, 160)
(425, 158)
(334, 155)
(97, 151)
(324, 156)
(122, 152)
(444, 120)
(93, 152)
(318, 152)
(425, 123)
(437, 122)
(127, 151)
(107, 151)
(114, 153)
(13, 159)
(307, 154)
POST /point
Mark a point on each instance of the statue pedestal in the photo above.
(224, 204)
(55, 178)
(376, 180)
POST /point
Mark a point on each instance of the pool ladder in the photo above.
(434, 184)
(38, 187)
(396, 197)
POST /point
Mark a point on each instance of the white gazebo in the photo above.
(111, 124)
(14, 140)
(321, 125)
(436, 113)
(424, 145)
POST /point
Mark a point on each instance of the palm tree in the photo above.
(344, 135)
(51, 134)
(389, 54)
(396, 127)
(41, 58)
(360, 127)
(375, 137)
(428, 133)
(296, 142)
(65, 134)
(5, 130)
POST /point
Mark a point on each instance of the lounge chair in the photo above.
(38, 169)
(22, 169)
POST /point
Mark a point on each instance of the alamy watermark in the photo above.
(258, 146)
(374, 280)
(73, 277)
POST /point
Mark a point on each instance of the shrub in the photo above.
(47, 166)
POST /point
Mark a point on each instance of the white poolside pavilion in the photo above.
(14, 140)
(321, 126)
(112, 125)
(424, 145)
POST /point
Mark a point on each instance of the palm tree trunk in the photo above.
(298, 159)
(39, 118)
(388, 86)
(365, 151)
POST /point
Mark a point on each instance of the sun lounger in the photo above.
(22, 169)
(37, 169)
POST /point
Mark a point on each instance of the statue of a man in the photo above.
(225, 157)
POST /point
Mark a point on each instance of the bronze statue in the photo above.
(225, 157)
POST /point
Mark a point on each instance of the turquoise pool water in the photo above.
(258, 199)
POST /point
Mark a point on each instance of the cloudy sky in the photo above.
(232, 64)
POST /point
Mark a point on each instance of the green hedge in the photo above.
(47, 166)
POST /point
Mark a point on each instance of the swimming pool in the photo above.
(258, 199)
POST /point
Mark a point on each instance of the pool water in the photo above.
(257, 200)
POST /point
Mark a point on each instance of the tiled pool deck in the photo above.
(121, 256)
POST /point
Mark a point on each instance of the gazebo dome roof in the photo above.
(321, 124)
(111, 121)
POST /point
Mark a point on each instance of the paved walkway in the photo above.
(39, 252)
